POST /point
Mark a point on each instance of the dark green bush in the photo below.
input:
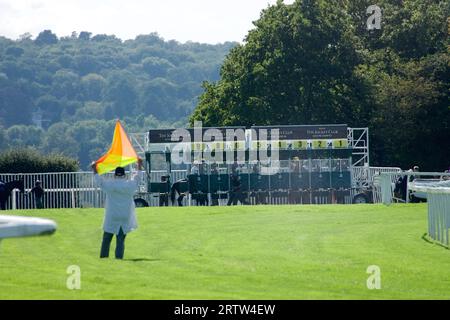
(31, 161)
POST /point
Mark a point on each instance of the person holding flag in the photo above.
(120, 216)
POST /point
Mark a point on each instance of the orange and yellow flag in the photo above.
(120, 154)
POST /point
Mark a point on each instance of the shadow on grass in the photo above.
(428, 239)
(142, 260)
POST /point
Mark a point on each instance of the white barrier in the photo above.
(366, 175)
(373, 178)
(383, 188)
(438, 198)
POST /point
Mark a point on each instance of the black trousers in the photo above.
(163, 199)
(39, 202)
(106, 244)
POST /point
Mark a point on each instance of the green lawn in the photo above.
(251, 252)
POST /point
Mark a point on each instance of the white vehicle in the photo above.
(418, 196)
(419, 188)
(15, 226)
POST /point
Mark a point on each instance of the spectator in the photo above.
(235, 192)
(195, 169)
(202, 167)
(214, 168)
(295, 165)
(400, 188)
(414, 169)
(164, 196)
(38, 193)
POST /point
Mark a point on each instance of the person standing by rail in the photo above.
(38, 193)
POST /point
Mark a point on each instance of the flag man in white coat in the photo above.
(120, 216)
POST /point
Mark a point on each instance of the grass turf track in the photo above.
(244, 252)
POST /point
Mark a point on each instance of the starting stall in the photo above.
(297, 164)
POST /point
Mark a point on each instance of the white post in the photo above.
(13, 200)
(386, 189)
(72, 194)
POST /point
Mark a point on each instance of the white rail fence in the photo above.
(62, 190)
(78, 190)
(438, 198)
(439, 215)
(69, 189)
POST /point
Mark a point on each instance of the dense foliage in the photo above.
(80, 83)
(316, 62)
(30, 161)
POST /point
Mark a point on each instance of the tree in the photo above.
(46, 37)
(84, 35)
(21, 136)
(93, 85)
(91, 110)
(3, 140)
(82, 77)
(315, 62)
(407, 64)
(15, 51)
(415, 28)
(85, 132)
(122, 93)
(58, 141)
(156, 67)
(86, 64)
(413, 118)
(15, 105)
(16, 70)
(297, 66)
(155, 98)
(66, 61)
(25, 37)
(50, 107)
(65, 84)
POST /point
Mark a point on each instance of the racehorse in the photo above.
(6, 189)
(179, 187)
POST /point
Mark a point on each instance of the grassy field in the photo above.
(259, 252)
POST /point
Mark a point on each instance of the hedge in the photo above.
(31, 161)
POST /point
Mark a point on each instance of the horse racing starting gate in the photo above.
(314, 164)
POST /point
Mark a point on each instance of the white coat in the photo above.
(119, 205)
